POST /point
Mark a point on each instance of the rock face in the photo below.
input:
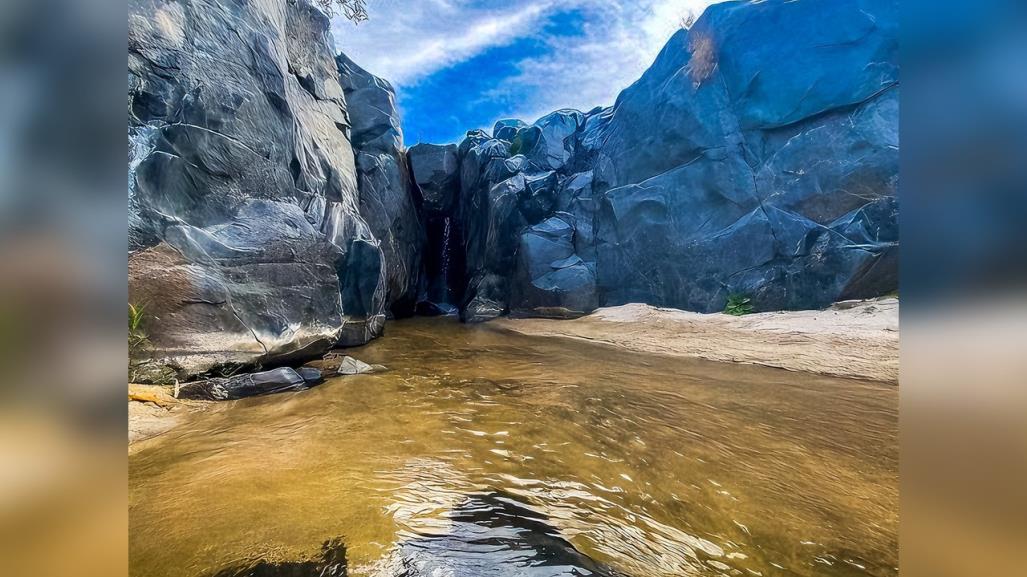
(757, 156)
(273, 212)
(250, 224)
(436, 174)
(383, 180)
(770, 168)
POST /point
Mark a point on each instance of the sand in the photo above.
(153, 410)
(858, 339)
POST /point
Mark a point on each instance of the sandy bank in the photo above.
(153, 410)
(857, 339)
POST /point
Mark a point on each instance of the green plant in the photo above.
(516, 145)
(136, 335)
(143, 364)
(738, 305)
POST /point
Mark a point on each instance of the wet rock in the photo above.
(492, 221)
(362, 279)
(486, 298)
(241, 386)
(310, 375)
(432, 309)
(351, 366)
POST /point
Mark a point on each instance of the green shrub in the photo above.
(137, 337)
(738, 305)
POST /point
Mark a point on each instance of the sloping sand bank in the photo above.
(857, 339)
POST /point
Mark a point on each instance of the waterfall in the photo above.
(444, 268)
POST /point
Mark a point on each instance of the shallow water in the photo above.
(481, 452)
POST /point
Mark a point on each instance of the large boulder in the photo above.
(551, 280)
(240, 172)
(507, 129)
(556, 142)
(383, 181)
(436, 171)
(235, 293)
(492, 222)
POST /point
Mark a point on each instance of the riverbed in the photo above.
(482, 448)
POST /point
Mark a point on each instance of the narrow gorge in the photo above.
(275, 211)
(282, 234)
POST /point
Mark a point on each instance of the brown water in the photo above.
(648, 465)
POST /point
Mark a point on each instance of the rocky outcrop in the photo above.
(249, 234)
(273, 212)
(383, 181)
(758, 156)
(770, 169)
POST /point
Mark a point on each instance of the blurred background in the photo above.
(63, 505)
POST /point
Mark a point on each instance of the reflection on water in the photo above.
(485, 453)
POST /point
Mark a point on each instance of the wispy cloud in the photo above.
(619, 41)
(407, 41)
(413, 44)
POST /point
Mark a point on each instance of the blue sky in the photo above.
(463, 64)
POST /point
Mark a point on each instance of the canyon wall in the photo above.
(274, 212)
(758, 157)
(269, 218)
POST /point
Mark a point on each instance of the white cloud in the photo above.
(621, 40)
(406, 41)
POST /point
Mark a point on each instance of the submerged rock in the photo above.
(241, 386)
(351, 366)
(310, 374)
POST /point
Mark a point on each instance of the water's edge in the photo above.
(641, 464)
